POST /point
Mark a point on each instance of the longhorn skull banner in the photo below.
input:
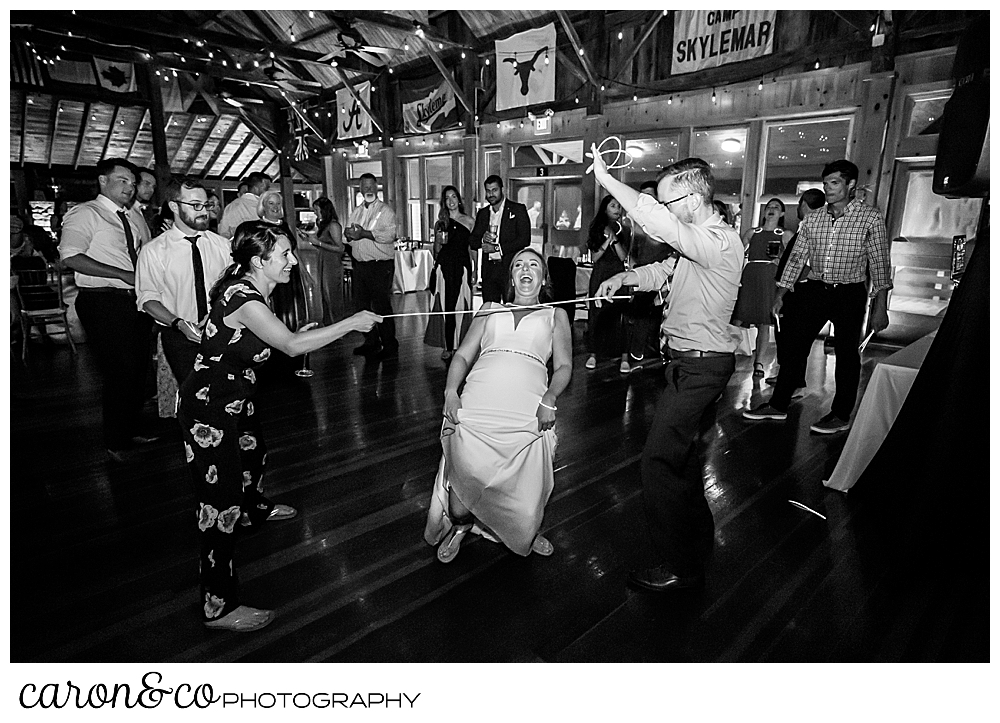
(523, 75)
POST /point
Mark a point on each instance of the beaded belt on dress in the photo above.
(514, 351)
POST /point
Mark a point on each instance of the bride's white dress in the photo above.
(497, 461)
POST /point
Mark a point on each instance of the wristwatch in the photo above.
(175, 322)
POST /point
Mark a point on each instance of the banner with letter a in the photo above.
(428, 106)
(523, 76)
(352, 121)
(710, 38)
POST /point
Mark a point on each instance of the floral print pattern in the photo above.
(223, 445)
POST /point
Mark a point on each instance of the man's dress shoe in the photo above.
(660, 579)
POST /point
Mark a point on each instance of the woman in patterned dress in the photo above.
(222, 436)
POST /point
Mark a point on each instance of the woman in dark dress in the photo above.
(451, 279)
(221, 430)
(609, 242)
(329, 241)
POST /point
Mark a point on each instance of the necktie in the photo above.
(199, 278)
(129, 238)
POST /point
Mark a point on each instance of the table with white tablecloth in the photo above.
(887, 389)
(413, 270)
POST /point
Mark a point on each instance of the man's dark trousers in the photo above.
(179, 351)
(493, 277)
(677, 514)
(118, 333)
(372, 285)
(817, 303)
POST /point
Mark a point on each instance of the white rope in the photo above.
(497, 310)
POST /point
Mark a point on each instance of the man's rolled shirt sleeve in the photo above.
(695, 242)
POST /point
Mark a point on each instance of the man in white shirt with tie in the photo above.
(100, 242)
(371, 231)
(176, 272)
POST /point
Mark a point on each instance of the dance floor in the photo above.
(104, 557)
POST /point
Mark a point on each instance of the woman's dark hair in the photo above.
(544, 293)
(327, 213)
(443, 214)
(595, 237)
(252, 238)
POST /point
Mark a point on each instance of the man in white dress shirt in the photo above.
(176, 272)
(100, 241)
(244, 208)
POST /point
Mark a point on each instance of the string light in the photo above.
(576, 99)
(210, 55)
(183, 59)
(311, 14)
(390, 71)
(546, 59)
(238, 66)
(635, 97)
(406, 46)
(440, 46)
(463, 55)
(714, 99)
(498, 125)
(271, 55)
(581, 52)
(602, 86)
(817, 64)
(291, 33)
(760, 85)
(620, 35)
(670, 100)
(256, 64)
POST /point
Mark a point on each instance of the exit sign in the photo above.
(543, 125)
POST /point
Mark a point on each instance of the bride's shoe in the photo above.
(541, 546)
(448, 549)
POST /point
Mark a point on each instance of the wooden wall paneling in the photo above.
(36, 142)
(183, 138)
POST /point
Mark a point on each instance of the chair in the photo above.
(40, 298)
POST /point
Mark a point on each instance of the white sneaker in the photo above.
(591, 362)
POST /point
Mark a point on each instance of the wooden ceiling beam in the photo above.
(569, 62)
(111, 132)
(321, 31)
(80, 138)
(24, 123)
(247, 167)
(135, 137)
(204, 141)
(269, 163)
(270, 31)
(53, 125)
(448, 77)
(397, 23)
(219, 149)
(239, 152)
(578, 47)
(184, 135)
(263, 135)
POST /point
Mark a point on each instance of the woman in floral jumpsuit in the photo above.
(223, 443)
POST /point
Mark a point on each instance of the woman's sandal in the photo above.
(448, 549)
(282, 512)
(758, 369)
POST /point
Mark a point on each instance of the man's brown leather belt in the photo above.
(694, 353)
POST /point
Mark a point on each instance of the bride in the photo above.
(498, 441)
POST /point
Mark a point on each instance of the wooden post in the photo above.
(161, 164)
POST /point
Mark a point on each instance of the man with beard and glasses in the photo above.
(176, 271)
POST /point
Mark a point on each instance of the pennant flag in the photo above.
(428, 107)
(178, 93)
(352, 121)
(72, 71)
(523, 76)
(115, 76)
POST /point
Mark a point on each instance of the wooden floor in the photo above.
(104, 557)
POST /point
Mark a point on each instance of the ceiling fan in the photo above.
(350, 41)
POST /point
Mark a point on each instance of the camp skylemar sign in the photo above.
(710, 38)
(428, 107)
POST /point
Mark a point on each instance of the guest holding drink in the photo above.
(502, 229)
(764, 245)
(451, 279)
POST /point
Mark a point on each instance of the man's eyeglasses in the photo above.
(195, 205)
(675, 200)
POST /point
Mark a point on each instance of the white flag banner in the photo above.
(523, 76)
(352, 121)
(710, 38)
(115, 76)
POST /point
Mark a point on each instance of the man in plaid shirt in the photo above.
(839, 247)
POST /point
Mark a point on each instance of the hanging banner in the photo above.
(115, 76)
(428, 107)
(710, 38)
(352, 121)
(72, 71)
(523, 76)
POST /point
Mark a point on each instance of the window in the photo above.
(925, 111)
(795, 153)
(725, 151)
(492, 162)
(649, 156)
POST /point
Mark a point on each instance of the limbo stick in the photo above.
(501, 309)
